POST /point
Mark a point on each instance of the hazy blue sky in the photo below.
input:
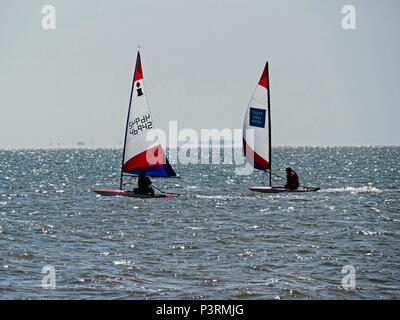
(201, 63)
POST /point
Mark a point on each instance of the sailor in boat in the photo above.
(292, 180)
(144, 185)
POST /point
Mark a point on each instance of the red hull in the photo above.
(281, 189)
(125, 193)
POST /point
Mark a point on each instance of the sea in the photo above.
(216, 240)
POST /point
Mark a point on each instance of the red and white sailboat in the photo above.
(140, 153)
(257, 135)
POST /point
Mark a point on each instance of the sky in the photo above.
(201, 62)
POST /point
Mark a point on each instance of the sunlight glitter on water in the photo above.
(218, 240)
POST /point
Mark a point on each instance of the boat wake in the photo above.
(221, 197)
(354, 190)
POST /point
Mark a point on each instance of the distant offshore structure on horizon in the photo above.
(79, 144)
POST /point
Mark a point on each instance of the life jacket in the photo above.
(292, 178)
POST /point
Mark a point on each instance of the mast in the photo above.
(127, 120)
(269, 129)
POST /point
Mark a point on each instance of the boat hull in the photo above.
(271, 189)
(125, 193)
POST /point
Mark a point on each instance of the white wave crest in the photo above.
(354, 190)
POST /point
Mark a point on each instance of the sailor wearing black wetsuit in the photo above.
(144, 185)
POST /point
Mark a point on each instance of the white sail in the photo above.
(256, 144)
(141, 153)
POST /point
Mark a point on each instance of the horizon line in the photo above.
(200, 146)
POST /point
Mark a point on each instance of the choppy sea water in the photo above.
(217, 240)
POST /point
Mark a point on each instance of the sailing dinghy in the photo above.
(139, 153)
(257, 135)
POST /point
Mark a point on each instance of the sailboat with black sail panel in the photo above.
(140, 154)
(257, 143)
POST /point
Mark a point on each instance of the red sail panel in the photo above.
(150, 158)
(264, 78)
(254, 158)
(139, 73)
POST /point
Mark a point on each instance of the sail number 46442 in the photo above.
(140, 124)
